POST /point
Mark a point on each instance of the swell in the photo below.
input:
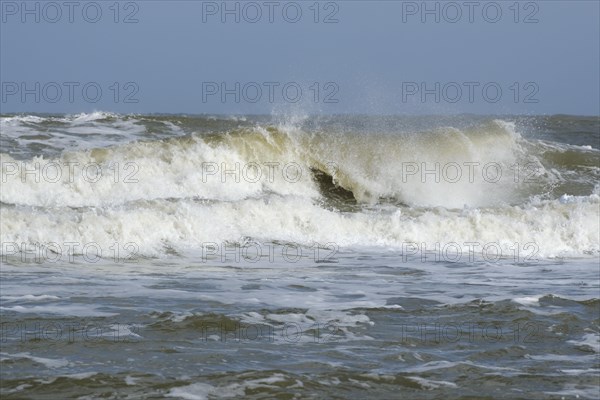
(445, 167)
(356, 188)
(545, 229)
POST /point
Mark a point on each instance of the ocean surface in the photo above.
(201, 257)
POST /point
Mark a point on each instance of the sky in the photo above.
(327, 57)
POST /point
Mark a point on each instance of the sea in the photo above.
(299, 256)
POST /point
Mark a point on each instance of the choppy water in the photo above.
(263, 257)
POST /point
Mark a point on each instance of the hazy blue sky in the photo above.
(376, 59)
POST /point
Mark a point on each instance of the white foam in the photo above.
(165, 199)
(88, 117)
(30, 297)
(201, 391)
(435, 365)
(528, 301)
(588, 341)
(47, 362)
(577, 392)
(431, 384)
(551, 229)
(67, 309)
(369, 166)
(19, 388)
(580, 372)
(131, 381)
(80, 375)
